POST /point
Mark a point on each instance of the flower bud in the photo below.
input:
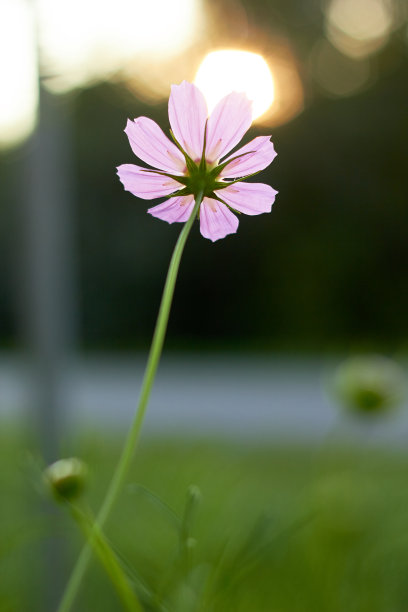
(370, 384)
(193, 495)
(66, 478)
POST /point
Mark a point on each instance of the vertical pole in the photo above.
(48, 305)
(48, 308)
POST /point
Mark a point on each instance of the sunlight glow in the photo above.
(85, 40)
(230, 70)
(18, 78)
(81, 42)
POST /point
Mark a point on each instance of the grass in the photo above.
(278, 528)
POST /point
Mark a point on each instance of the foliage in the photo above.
(276, 528)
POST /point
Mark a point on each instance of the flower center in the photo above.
(202, 178)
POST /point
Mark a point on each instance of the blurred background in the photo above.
(261, 319)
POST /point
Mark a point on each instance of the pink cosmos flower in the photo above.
(192, 165)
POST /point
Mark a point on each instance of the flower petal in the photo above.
(216, 220)
(174, 209)
(188, 114)
(145, 184)
(227, 124)
(249, 198)
(150, 144)
(259, 153)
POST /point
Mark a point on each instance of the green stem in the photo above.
(100, 546)
(134, 432)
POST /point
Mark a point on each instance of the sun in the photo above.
(229, 70)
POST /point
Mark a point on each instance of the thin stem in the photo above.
(100, 546)
(134, 432)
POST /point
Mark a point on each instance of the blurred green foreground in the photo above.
(277, 529)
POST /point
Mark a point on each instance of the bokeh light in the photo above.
(229, 70)
(359, 27)
(18, 72)
(337, 74)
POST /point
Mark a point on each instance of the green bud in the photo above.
(66, 478)
(191, 544)
(370, 384)
(193, 494)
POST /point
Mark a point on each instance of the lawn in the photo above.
(276, 528)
